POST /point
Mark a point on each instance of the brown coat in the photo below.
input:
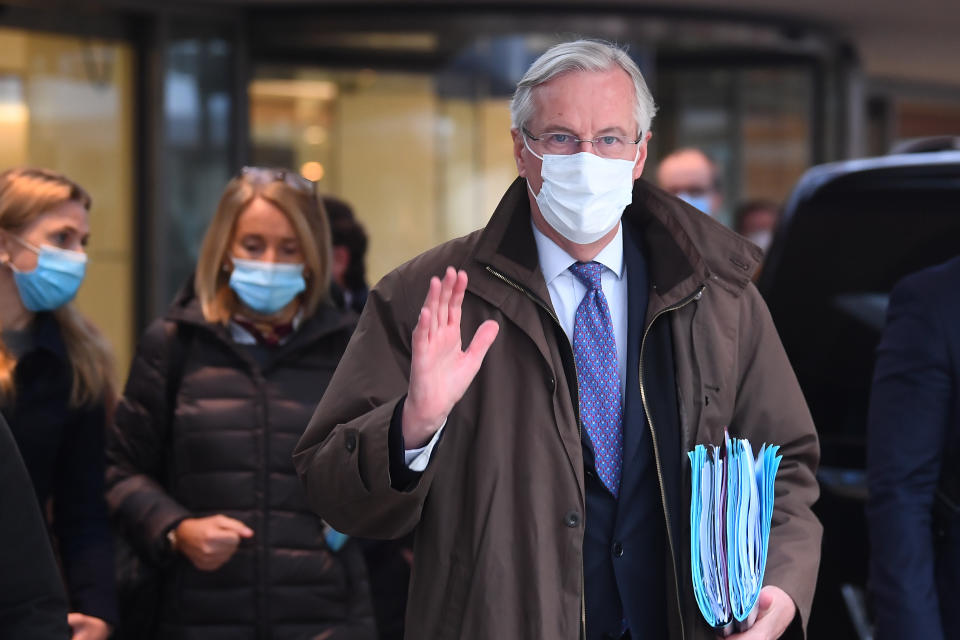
(498, 554)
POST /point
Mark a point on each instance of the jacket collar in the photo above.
(684, 248)
(327, 320)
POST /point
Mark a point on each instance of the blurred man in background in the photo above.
(349, 272)
(693, 177)
(912, 439)
(388, 561)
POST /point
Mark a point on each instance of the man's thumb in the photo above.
(482, 340)
(765, 600)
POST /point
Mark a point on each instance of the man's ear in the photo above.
(642, 155)
(517, 136)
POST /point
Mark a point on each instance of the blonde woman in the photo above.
(55, 380)
(219, 392)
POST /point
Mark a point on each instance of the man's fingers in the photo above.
(421, 332)
(431, 303)
(446, 291)
(775, 610)
(482, 339)
(456, 300)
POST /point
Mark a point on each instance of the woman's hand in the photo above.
(209, 542)
(87, 627)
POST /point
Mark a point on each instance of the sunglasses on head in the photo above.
(266, 175)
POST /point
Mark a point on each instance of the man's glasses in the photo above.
(266, 175)
(564, 144)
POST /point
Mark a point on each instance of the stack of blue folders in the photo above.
(731, 507)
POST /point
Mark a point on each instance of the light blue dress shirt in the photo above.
(566, 293)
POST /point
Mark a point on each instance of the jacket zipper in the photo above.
(540, 303)
(656, 451)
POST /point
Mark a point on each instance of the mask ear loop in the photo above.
(23, 243)
(534, 154)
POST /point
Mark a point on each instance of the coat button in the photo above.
(617, 550)
(572, 519)
(552, 383)
(351, 443)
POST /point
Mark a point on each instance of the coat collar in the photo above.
(684, 248)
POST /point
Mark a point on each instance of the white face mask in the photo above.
(583, 195)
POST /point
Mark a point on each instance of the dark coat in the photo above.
(499, 510)
(914, 427)
(63, 448)
(33, 605)
(238, 413)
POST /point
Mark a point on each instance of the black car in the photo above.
(849, 232)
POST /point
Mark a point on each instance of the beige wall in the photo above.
(478, 162)
(74, 115)
(385, 167)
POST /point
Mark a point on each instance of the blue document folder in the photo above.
(731, 506)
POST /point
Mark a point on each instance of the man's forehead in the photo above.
(686, 168)
(605, 98)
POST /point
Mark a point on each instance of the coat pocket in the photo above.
(458, 583)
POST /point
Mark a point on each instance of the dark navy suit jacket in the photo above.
(913, 427)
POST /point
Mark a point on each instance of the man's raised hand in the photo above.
(440, 371)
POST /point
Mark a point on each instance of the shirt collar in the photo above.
(555, 261)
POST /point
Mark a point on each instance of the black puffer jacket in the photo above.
(238, 413)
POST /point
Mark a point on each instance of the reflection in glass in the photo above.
(197, 151)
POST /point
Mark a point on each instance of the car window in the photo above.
(831, 270)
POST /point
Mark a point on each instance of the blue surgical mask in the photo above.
(266, 287)
(701, 202)
(55, 280)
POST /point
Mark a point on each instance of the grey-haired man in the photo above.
(613, 327)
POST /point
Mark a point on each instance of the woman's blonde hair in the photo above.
(295, 197)
(26, 194)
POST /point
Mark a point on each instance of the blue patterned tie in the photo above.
(595, 352)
